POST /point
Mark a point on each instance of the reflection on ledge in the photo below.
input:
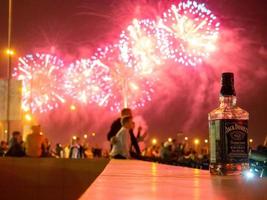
(139, 180)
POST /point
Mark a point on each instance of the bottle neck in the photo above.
(227, 101)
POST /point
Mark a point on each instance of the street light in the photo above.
(85, 136)
(28, 117)
(250, 140)
(206, 141)
(185, 138)
(9, 52)
(72, 107)
(154, 141)
(196, 141)
(93, 134)
(9, 70)
(169, 139)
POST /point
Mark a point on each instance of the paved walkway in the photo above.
(138, 180)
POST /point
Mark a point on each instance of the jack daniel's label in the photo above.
(228, 141)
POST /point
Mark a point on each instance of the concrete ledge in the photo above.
(47, 178)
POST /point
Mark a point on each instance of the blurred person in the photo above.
(105, 153)
(46, 148)
(59, 151)
(144, 152)
(203, 153)
(191, 154)
(66, 151)
(190, 158)
(166, 151)
(202, 159)
(13, 138)
(155, 151)
(82, 148)
(186, 147)
(179, 150)
(3, 148)
(16, 148)
(89, 153)
(116, 126)
(85, 149)
(148, 152)
(97, 152)
(135, 149)
(121, 141)
(34, 142)
(75, 149)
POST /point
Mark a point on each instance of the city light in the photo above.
(41, 133)
(154, 141)
(72, 107)
(249, 174)
(169, 139)
(185, 138)
(85, 136)
(250, 140)
(74, 137)
(206, 141)
(28, 117)
(93, 134)
(196, 141)
(10, 52)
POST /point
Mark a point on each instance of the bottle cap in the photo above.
(228, 87)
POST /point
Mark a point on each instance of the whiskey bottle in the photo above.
(228, 132)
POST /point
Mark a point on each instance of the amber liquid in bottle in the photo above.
(228, 133)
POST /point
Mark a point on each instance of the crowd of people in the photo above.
(124, 144)
(174, 153)
(37, 145)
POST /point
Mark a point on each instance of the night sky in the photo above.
(75, 28)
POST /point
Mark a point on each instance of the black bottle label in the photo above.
(228, 141)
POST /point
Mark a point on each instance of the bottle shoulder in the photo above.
(227, 112)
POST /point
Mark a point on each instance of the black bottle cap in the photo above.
(228, 87)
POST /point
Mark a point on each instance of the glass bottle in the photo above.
(228, 132)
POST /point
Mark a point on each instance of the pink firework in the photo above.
(88, 82)
(191, 31)
(41, 76)
(141, 41)
(129, 88)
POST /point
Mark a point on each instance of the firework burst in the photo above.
(142, 45)
(41, 76)
(129, 88)
(191, 31)
(87, 82)
(121, 75)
